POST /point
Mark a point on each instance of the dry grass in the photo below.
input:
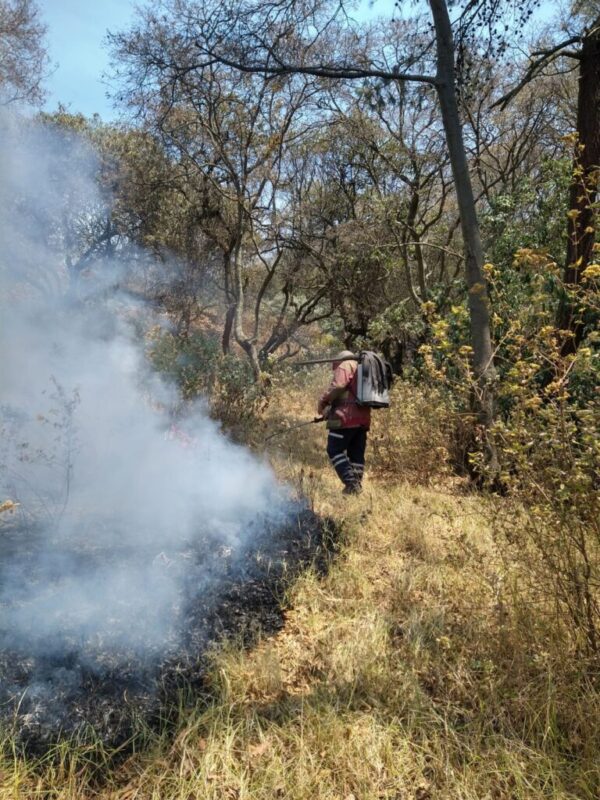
(402, 674)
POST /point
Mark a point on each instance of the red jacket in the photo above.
(341, 396)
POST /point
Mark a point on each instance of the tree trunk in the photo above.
(410, 221)
(584, 189)
(247, 345)
(229, 297)
(481, 339)
(227, 328)
(250, 349)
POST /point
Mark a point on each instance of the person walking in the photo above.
(347, 423)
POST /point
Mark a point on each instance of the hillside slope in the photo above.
(402, 673)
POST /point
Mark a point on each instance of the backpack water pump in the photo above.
(373, 381)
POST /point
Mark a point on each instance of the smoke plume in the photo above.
(111, 499)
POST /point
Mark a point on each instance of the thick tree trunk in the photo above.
(584, 189)
(481, 339)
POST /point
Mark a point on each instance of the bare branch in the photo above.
(316, 70)
(537, 65)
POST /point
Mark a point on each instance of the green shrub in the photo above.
(548, 416)
(198, 367)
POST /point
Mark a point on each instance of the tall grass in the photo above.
(405, 672)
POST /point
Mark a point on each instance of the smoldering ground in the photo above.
(129, 538)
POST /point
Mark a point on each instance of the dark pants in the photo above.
(346, 450)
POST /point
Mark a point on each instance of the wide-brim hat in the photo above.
(343, 355)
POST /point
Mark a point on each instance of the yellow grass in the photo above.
(401, 674)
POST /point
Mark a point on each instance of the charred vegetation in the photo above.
(90, 690)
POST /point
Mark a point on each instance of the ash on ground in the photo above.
(101, 683)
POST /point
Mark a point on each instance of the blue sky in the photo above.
(76, 33)
(76, 30)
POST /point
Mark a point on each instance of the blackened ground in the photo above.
(81, 689)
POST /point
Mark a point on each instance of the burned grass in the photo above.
(90, 689)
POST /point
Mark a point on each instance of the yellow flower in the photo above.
(591, 272)
(570, 138)
(533, 402)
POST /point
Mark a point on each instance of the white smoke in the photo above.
(111, 502)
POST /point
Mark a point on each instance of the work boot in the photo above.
(352, 488)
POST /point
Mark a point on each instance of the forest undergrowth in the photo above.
(410, 670)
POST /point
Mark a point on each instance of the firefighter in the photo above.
(347, 423)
